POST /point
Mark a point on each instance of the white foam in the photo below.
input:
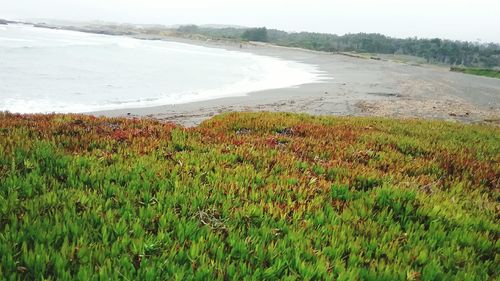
(112, 72)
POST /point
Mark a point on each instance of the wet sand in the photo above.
(352, 87)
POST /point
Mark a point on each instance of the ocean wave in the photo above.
(102, 72)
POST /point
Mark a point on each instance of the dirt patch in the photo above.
(395, 95)
(440, 109)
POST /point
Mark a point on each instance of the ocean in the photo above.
(47, 70)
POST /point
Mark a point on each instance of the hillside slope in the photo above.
(248, 195)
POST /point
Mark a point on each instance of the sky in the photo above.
(470, 20)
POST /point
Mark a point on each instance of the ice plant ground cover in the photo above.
(248, 196)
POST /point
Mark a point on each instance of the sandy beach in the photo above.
(351, 87)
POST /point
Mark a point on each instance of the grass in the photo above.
(478, 71)
(248, 196)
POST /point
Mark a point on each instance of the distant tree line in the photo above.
(255, 34)
(433, 50)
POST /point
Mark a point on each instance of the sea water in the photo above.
(47, 70)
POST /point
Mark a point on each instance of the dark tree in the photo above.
(256, 34)
(191, 28)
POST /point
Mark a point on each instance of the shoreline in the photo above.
(352, 86)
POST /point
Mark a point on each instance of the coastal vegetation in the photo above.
(255, 34)
(248, 196)
(441, 51)
(435, 50)
(478, 71)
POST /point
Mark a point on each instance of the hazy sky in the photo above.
(453, 19)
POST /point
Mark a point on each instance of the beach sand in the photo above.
(352, 87)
